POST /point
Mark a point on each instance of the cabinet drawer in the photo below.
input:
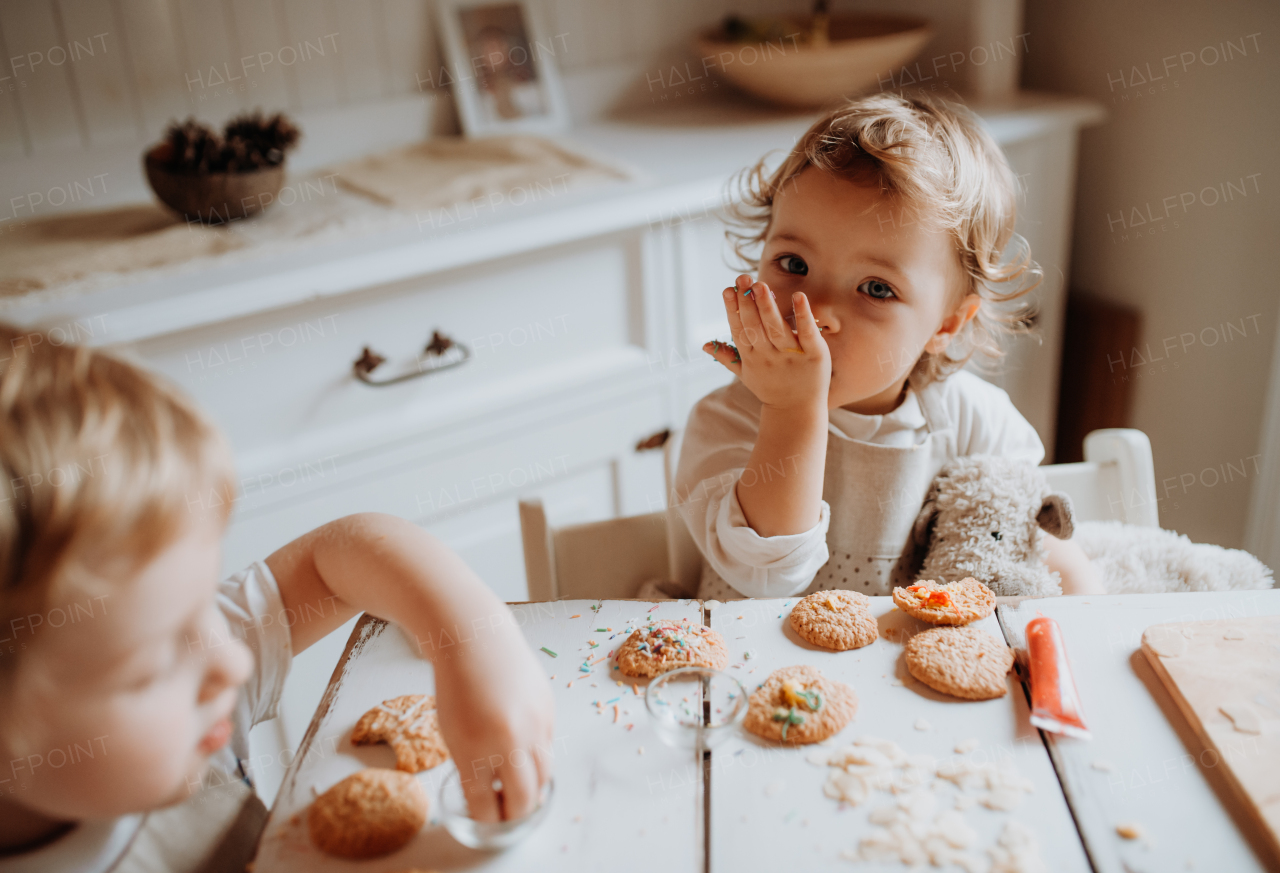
(440, 487)
(546, 321)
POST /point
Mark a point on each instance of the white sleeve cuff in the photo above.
(756, 566)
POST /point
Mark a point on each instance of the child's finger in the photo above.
(725, 354)
(807, 330)
(482, 800)
(519, 789)
(731, 311)
(778, 331)
(542, 760)
(753, 333)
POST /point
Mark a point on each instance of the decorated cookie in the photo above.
(839, 620)
(799, 705)
(663, 645)
(410, 725)
(953, 603)
(368, 814)
(960, 661)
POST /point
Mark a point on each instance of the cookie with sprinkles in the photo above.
(799, 705)
(839, 620)
(663, 645)
(952, 603)
(961, 661)
(409, 724)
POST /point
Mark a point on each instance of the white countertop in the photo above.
(683, 157)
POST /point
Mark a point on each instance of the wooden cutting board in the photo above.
(1225, 677)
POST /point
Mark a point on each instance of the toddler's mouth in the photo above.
(217, 736)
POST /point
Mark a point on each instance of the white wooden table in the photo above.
(1143, 766)
(619, 792)
(768, 811)
(754, 806)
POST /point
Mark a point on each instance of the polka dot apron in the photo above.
(875, 493)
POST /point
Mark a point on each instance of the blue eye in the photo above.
(792, 264)
(876, 289)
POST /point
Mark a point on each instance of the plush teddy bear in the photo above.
(984, 516)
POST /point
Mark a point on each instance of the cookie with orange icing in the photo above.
(954, 603)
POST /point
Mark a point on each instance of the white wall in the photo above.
(1191, 273)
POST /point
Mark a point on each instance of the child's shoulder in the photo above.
(964, 393)
(985, 417)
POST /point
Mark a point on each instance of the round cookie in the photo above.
(368, 814)
(960, 661)
(662, 646)
(799, 705)
(839, 620)
(410, 724)
(953, 603)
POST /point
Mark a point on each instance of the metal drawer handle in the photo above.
(654, 441)
(442, 353)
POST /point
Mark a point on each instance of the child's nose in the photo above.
(229, 666)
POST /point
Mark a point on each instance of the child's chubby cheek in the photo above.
(115, 759)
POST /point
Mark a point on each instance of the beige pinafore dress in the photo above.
(875, 493)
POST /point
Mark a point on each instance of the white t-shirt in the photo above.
(717, 445)
(220, 823)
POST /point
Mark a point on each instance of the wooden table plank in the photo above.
(1150, 772)
(614, 805)
(768, 810)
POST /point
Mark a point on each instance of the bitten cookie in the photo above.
(662, 646)
(961, 661)
(953, 603)
(838, 620)
(410, 724)
(799, 705)
(368, 814)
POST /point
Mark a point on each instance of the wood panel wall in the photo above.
(79, 74)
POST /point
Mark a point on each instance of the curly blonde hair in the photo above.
(932, 155)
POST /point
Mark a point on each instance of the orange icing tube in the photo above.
(1055, 703)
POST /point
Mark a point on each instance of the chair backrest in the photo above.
(1115, 481)
(611, 558)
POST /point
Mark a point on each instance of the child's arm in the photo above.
(1078, 574)
(495, 704)
(780, 491)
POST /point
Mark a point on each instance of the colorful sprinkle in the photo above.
(549, 652)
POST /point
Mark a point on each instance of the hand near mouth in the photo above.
(782, 366)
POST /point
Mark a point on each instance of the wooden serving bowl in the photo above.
(862, 50)
(212, 198)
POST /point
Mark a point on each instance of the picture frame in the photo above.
(501, 67)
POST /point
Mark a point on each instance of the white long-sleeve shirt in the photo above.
(721, 434)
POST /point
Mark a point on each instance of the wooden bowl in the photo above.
(862, 51)
(212, 198)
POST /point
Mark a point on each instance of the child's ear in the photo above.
(953, 324)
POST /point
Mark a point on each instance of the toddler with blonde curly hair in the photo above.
(880, 249)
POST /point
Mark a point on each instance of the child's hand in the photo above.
(497, 716)
(782, 368)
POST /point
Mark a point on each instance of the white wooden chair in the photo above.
(610, 559)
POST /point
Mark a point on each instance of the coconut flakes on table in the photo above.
(908, 830)
(1016, 851)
